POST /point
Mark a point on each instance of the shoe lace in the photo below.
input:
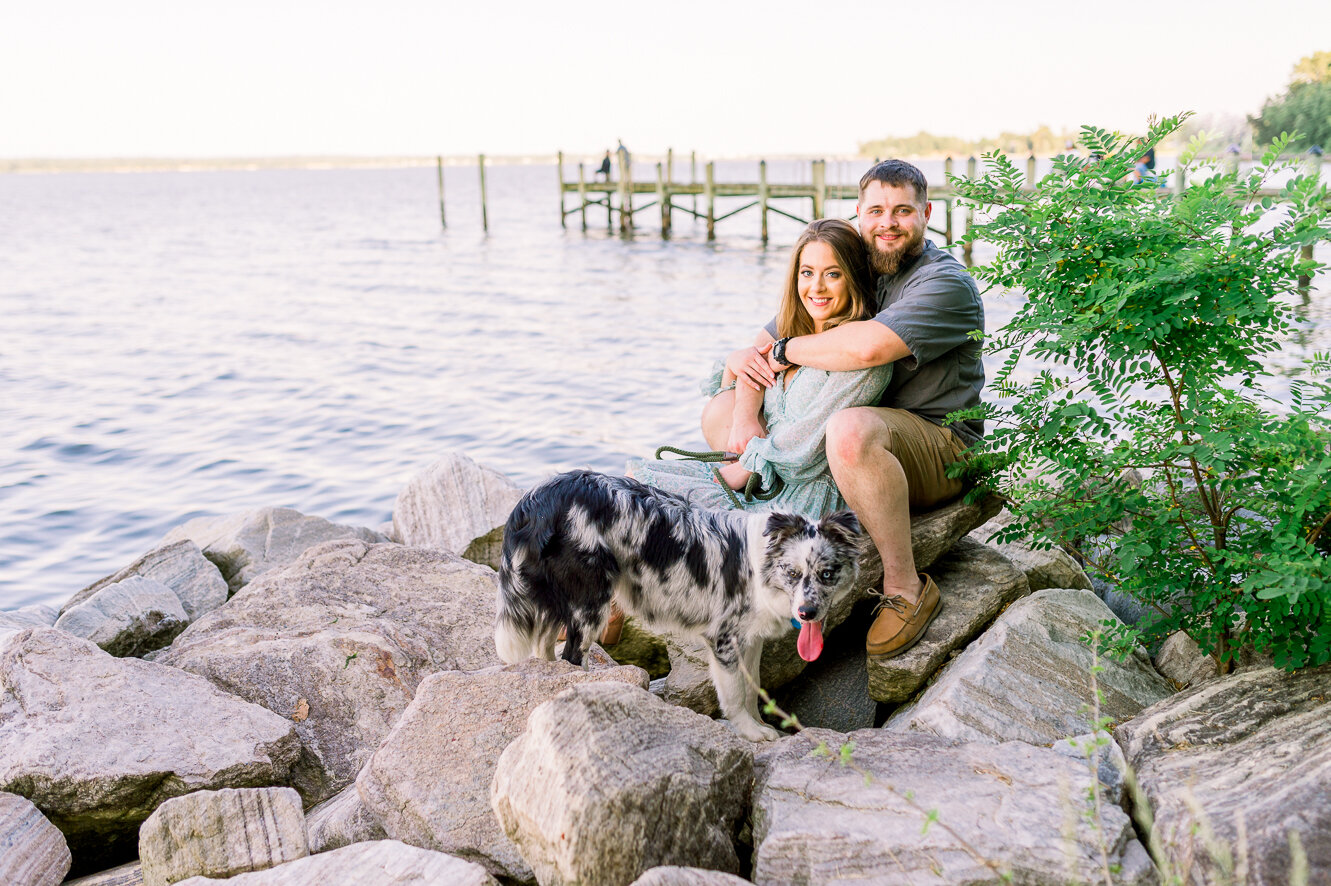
(892, 601)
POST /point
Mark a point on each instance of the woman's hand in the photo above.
(735, 475)
(750, 366)
(743, 428)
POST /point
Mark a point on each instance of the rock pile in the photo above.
(270, 699)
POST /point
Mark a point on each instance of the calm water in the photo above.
(180, 344)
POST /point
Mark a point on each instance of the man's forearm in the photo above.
(855, 345)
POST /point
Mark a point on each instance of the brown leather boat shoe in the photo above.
(901, 624)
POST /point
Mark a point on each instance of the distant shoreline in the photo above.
(39, 165)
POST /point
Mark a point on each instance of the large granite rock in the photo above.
(1044, 567)
(128, 617)
(37, 615)
(932, 534)
(130, 874)
(1000, 809)
(222, 833)
(338, 641)
(1246, 757)
(380, 863)
(178, 564)
(342, 820)
(245, 546)
(32, 850)
(1028, 677)
(608, 781)
(1182, 662)
(456, 505)
(976, 582)
(669, 875)
(98, 742)
(429, 782)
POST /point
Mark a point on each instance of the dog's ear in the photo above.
(781, 526)
(843, 526)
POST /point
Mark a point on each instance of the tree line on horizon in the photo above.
(1304, 107)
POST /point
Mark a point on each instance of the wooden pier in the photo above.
(616, 196)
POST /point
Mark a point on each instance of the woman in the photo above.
(829, 283)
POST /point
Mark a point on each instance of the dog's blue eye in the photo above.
(827, 575)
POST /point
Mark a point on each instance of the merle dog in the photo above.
(731, 577)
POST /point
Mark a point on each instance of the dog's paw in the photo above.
(754, 731)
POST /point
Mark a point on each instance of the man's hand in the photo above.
(743, 428)
(751, 367)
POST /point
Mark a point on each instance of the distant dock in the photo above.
(616, 196)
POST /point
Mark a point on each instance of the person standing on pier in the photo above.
(890, 458)
(605, 165)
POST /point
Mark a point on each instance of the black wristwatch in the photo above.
(779, 351)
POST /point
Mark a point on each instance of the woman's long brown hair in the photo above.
(791, 316)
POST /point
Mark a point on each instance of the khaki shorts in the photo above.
(924, 450)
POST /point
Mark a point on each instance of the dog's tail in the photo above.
(520, 629)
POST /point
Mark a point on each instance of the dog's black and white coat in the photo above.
(733, 578)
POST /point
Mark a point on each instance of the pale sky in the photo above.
(170, 78)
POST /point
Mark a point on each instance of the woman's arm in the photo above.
(794, 446)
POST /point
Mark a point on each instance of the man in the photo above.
(890, 458)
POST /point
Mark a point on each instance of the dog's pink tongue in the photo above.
(810, 643)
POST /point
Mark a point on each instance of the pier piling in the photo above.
(439, 167)
(485, 216)
(762, 197)
(582, 196)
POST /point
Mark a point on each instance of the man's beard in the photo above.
(888, 263)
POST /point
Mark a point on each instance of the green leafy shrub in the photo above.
(1147, 442)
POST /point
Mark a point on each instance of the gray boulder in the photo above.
(456, 505)
(338, 641)
(130, 874)
(1182, 661)
(98, 742)
(999, 809)
(976, 582)
(37, 615)
(379, 863)
(245, 546)
(668, 875)
(129, 617)
(932, 534)
(608, 781)
(1028, 677)
(178, 564)
(1044, 567)
(32, 850)
(340, 821)
(429, 782)
(221, 833)
(1241, 762)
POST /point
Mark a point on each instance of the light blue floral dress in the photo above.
(793, 448)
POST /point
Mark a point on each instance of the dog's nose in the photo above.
(807, 613)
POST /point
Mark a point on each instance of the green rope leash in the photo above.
(753, 490)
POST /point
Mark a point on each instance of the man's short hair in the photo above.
(897, 173)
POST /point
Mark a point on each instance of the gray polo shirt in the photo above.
(933, 304)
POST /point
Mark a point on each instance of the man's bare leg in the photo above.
(874, 485)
